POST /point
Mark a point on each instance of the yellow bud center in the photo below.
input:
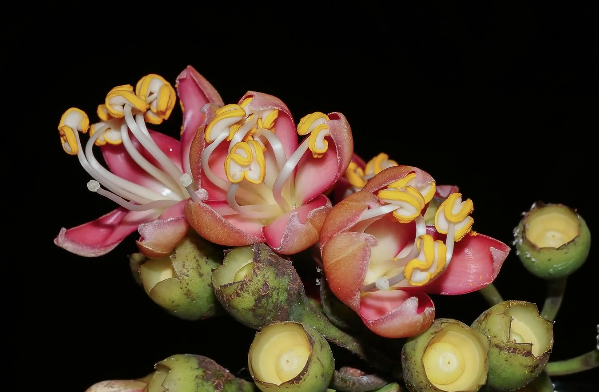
(443, 363)
(244, 272)
(552, 228)
(291, 362)
(521, 333)
(155, 271)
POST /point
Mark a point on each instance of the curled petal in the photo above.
(316, 175)
(475, 264)
(396, 313)
(100, 236)
(346, 214)
(299, 229)
(345, 258)
(395, 173)
(196, 149)
(284, 126)
(210, 224)
(159, 237)
(194, 92)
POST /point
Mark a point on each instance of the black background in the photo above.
(499, 99)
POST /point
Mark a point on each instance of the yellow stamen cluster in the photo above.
(429, 263)
(73, 120)
(378, 164)
(235, 118)
(246, 161)
(315, 124)
(153, 96)
(408, 197)
(161, 95)
(456, 212)
(355, 175)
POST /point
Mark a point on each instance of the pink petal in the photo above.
(121, 164)
(194, 92)
(316, 175)
(445, 190)
(284, 125)
(232, 230)
(104, 234)
(396, 313)
(198, 144)
(298, 229)
(395, 173)
(345, 258)
(475, 264)
(159, 237)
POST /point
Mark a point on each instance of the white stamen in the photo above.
(382, 284)
(276, 146)
(260, 211)
(186, 180)
(449, 242)
(93, 185)
(285, 173)
(374, 212)
(128, 205)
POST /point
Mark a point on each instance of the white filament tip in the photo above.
(185, 180)
(93, 185)
(382, 284)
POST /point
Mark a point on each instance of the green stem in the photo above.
(543, 383)
(581, 363)
(309, 315)
(491, 294)
(555, 295)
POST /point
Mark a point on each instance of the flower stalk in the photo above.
(555, 294)
(578, 364)
(491, 294)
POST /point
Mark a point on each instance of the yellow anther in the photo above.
(457, 212)
(246, 102)
(267, 121)
(73, 120)
(310, 122)
(111, 132)
(427, 192)
(355, 175)
(156, 88)
(228, 115)
(318, 144)
(429, 263)
(120, 96)
(409, 200)
(378, 164)
(246, 161)
(102, 112)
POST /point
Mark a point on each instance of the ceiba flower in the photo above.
(261, 184)
(146, 172)
(381, 258)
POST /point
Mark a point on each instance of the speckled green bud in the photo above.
(552, 240)
(521, 342)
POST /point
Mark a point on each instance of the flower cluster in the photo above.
(382, 235)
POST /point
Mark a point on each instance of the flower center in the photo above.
(259, 176)
(553, 228)
(124, 113)
(443, 363)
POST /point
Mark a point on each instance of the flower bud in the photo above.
(118, 386)
(292, 357)
(449, 356)
(552, 240)
(180, 283)
(191, 373)
(257, 287)
(521, 342)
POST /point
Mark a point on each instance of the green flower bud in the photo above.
(192, 373)
(521, 342)
(118, 386)
(449, 356)
(552, 240)
(257, 287)
(289, 356)
(181, 282)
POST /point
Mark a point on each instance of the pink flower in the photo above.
(261, 184)
(381, 259)
(147, 170)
